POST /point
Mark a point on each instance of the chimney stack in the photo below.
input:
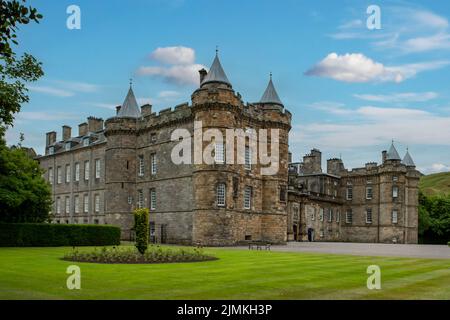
(95, 124)
(384, 156)
(66, 132)
(50, 138)
(203, 74)
(146, 110)
(82, 129)
(118, 109)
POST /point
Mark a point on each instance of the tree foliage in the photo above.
(25, 196)
(141, 229)
(12, 14)
(434, 218)
(15, 72)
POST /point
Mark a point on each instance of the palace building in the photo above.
(109, 168)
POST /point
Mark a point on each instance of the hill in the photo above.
(435, 184)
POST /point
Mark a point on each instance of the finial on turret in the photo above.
(270, 75)
(217, 50)
(131, 82)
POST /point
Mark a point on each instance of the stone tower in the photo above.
(216, 106)
(120, 165)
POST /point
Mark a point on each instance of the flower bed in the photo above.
(130, 255)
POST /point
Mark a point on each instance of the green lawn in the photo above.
(38, 273)
(435, 184)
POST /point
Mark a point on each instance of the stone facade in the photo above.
(110, 168)
(376, 203)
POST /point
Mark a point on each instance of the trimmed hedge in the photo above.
(141, 229)
(55, 235)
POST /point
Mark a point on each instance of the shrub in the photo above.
(141, 229)
(154, 254)
(53, 235)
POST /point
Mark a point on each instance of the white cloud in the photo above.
(104, 105)
(51, 91)
(180, 74)
(356, 67)
(398, 97)
(374, 126)
(44, 116)
(59, 88)
(181, 70)
(434, 168)
(169, 94)
(330, 107)
(78, 86)
(404, 29)
(174, 55)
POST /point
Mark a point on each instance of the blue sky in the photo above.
(350, 89)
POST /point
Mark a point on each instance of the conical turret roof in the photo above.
(392, 153)
(407, 160)
(130, 107)
(216, 73)
(270, 96)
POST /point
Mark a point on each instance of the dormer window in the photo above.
(85, 142)
(51, 150)
(67, 146)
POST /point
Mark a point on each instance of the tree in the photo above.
(25, 196)
(434, 218)
(14, 72)
(12, 14)
(141, 229)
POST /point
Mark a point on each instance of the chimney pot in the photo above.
(66, 132)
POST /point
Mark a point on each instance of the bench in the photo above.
(259, 245)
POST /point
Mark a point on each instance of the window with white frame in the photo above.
(219, 152)
(349, 193)
(77, 171)
(394, 216)
(248, 158)
(76, 204)
(58, 205)
(247, 197)
(394, 178)
(67, 146)
(86, 203)
(369, 192)
(97, 168)
(349, 216)
(50, 175)
(394, 192)
(85, 142)
(67, 204)
(221, 194)
(97, 203)
(86, 170)
(58, 175)
(153, 163)
(330, 215)
(51, 150)
(321, 214)
(369, 215)
(141, 166)
(140, 199)
(152, 199)
(338, 216)
(67, 173)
